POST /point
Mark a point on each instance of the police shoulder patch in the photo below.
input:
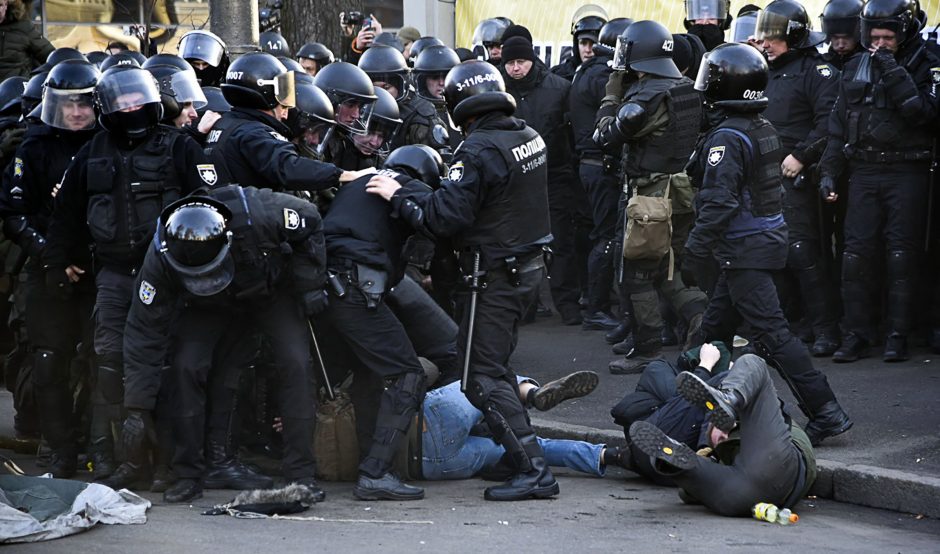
(935, 75)
(278, 136)
(207, 173)
(825, 70)
(292, 219)
(715, 155)
(455, 173)
(18, 167)
(147, 292)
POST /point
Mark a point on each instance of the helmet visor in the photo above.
(354, 114)
(840, 26)
(703, 79)
(706, 9)
(622, 54)
(743, 27)
(72, 110)
(126, 90)
(186, 89)
(283, 88)
(200, 46)
(431, 86)
(376, 140)
(773, 26)
(897, 27)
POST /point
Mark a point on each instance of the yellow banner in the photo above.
(549, 21)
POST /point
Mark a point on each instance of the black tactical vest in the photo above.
(215, 148)
(414, 111)
(764, 194)
(126, 193)
(514, 212)
(668, 151)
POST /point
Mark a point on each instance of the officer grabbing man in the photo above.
(499, 173)
(880, 135)
(739, 223)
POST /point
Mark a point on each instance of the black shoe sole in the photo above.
(575, 385)
(653, 442)
(701, 394)
(539, 493)
(816, 437)
(377, 494)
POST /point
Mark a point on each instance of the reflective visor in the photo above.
(200, 46)
(743, 27)
(704, 74)
(354, 115)
(622, 54)
(772, 26)
(72, 110)
(283, 88)
(186, 89)
(706, 9)
(127, 89)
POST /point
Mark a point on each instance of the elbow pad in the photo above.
(630, 119)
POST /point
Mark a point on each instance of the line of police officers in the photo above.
(188, 270)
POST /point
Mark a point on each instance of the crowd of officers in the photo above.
(182, 222)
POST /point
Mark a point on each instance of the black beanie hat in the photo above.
(517, 48)
(516, 31)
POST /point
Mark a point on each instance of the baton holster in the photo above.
(372, 282)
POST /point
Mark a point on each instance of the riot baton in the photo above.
(316, 348)
(474, 290)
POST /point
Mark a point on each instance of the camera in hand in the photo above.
(353, 18)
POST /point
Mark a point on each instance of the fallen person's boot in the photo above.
(634, 364)
(654, 443)
(828, 421)
(553, 393)
(183, 490)
(386, 487)
(721, 405)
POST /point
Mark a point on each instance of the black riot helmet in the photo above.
(177, 87)
(118, 60)
(97, 57)
(215, 101)
(475, 88)
(489, 34)
(708, 9)
(841, 17)
(745, 24)
(167, 59)
(194, 239)
(646, 46)
(273, 43)
(351, 92)
(58, 56)
(608, 35)
(203, 47)
(418, 161)
(389, 39)
(11, 94)
(383, 124)
(316, 52)
(128, 102)
(733, 76)
(786, 20)
(898, 16)
(311, 120)
(258, 80)
(384, 64)
(291, 64)
(433, 63)
(587, 22)
(419, 46)
(32, 93)
(67, 97)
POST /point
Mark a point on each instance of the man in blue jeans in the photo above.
(454, 443)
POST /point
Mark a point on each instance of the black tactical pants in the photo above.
(565, 200)
(748, 296)
(388, 375)
(603, 191)
(887, 206)
(768, 465)
(200, 370)
(432, 332)
(809, 260)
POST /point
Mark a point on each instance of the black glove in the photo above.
(884, 59)
(137, 431)
(826, 187)
(57, 283)
(692, 265)
(315, 302)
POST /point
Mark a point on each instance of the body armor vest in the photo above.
(763, 196)
(669, 150)
(127, 191)
(516, 212)
(414, 111)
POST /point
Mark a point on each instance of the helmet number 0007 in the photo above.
(235, 75)
(753, 94)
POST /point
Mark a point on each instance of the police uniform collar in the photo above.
(258, 115)
(495, 120)
(790, 55)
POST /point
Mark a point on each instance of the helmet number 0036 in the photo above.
(753, 94)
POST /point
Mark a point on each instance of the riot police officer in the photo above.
(387, 68)
(250, 141)
(311, 121)
(207, 54)
(419, 46)
(840, 21)
(880, 135)
(487, 41)
(314, 56)
(708, 20)
(801, 89)
(364, 244)
(180, 94)
(233, 260)
(586, 24)
(274, 43)
(739, 223)
(430, 70)
(360, 151)
(499, 173)
(657, 122)
(113, 190)
(56, 324)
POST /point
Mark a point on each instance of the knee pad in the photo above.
(479, 389)
(802, 255)
(854, 267)
(47, 370)
(901, 265)
(110, 383)
(405, 392)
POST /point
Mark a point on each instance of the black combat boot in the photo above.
(599, 321)
(828, 421)
(225, 471)
(128, 476)
(620, 332)
(533, 478)
(183, 490)
(671, 456)
(826, 343)
(637, 360)
(853, 348)
(896, 348)
(722, 406)
(386, 487)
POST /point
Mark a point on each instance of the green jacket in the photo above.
(22, 48)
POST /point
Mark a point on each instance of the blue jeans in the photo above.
(450, 452)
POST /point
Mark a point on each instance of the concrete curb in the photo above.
(876, 487)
